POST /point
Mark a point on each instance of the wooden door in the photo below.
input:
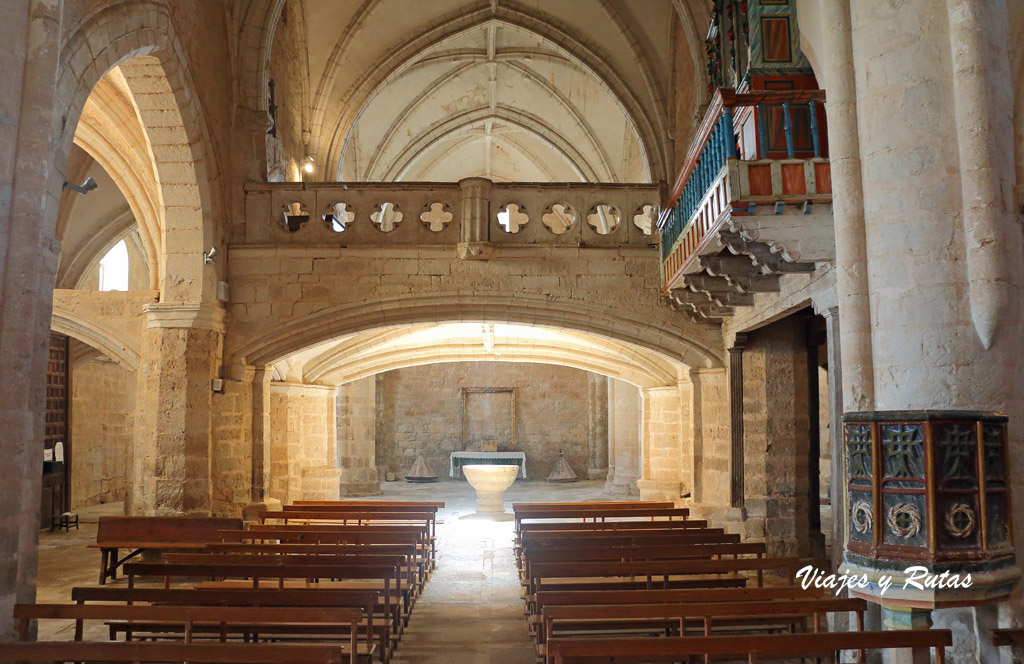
(58, 429)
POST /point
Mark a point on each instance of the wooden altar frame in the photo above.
(514, 391)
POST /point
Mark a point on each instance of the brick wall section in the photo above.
(419, 411)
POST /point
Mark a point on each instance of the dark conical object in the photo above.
(562, 472)
(420, 472)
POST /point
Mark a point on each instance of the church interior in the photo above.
(511, 331)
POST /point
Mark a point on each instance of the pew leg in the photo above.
(104, 554)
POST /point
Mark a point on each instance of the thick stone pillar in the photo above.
(241, 414)
(776, 421)
(623, 438)
(661, 477)
(302, 442)
(357, 437)
(943, 242)
(597, 426)
(30, 181)
(172, 451)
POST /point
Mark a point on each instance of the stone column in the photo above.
(475, 219)
(357, 427)
(172, 453)
(661, 475)
(837, 491)
(943, 241)
(623, 438)
(736, 419)
(597, 426)
(30, 181)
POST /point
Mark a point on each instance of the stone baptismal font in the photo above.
(490, 482)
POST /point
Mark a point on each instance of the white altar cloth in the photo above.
(494, 458)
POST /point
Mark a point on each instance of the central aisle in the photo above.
(471, 611)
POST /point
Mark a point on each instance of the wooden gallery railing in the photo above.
(749, 149)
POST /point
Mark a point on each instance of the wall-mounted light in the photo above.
(209, 256)
(84, 188)
(308, 166)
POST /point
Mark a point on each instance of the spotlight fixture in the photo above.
(308, 166)
(83, 188)
(209, 256)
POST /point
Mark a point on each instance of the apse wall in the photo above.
(420, 411)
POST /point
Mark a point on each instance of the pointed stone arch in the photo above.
(140, 37)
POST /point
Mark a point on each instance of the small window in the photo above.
(114, 268)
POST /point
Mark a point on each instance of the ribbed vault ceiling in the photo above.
(573, 90)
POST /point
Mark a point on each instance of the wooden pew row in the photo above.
(574, 513)
(623, 575)
(345, 516)
(704, 617)
(162, 533)
(218, 622)
(409, 551)
(407, 571)
(381, 513)
(376, 624)
(380, 578)
(313, 533)
(741, 593)
(595, 505)
(710, 551)
(153, 653)
(751, 648)
(555, 542)
(392, 503)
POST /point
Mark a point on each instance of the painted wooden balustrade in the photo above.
(758, 148)
(475, 214)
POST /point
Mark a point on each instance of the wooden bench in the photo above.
(596, 574)
(673, 596)
(409, 551)
(1009, 636)
(314, 532)
(717, 551)
(315, 516)
(749, 647)
(406, 570)
(392, 503)
(596, 504)
(368, 601)
(705, 616)
(573, 513)
(146, 653)
(220, 621)
(164, 533)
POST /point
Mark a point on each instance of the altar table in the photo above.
(460, 459)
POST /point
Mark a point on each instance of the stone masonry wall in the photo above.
(301, 436)
(102, 426)
(419, 411)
